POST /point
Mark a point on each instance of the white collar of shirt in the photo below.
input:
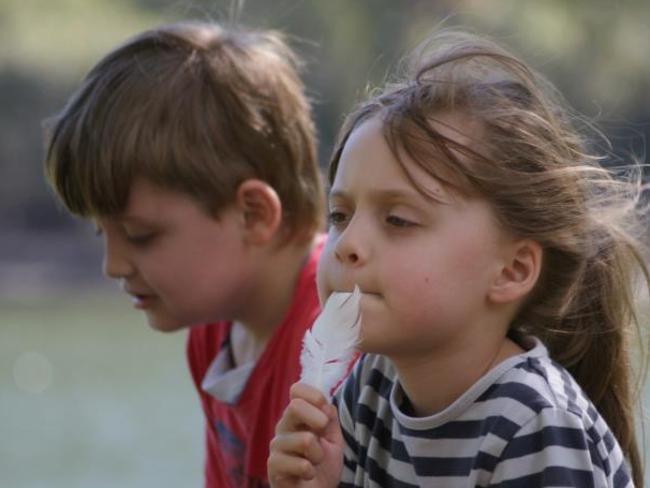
(223, 381)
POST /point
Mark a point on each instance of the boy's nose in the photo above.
(115, 263)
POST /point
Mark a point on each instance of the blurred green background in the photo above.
(89, 396)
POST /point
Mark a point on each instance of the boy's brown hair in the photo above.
(192, 107)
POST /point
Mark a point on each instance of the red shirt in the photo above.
(238, 435)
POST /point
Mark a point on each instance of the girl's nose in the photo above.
(350, 257)
(350, 248)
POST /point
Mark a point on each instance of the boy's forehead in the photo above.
(147, 199)
(144, 192)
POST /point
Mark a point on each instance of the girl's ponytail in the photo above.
(594, 336)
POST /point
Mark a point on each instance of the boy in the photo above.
(192, 148)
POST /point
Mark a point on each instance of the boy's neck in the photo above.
(274, 289)
(433, 382)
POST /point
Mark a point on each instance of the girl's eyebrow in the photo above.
(389, 194)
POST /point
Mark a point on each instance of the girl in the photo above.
(497, 261)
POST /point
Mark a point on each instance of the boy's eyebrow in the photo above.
(135, 219)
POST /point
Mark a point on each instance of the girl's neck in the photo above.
(434, 382)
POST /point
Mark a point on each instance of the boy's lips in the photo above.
(139, 299)
(142, 302)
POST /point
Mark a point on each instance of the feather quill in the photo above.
(330, 344)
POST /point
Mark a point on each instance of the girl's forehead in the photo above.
(368, 164)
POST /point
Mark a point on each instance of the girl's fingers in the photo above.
(302, 415)
(291, 456)
(333, 429)
(303, 444)
(296, 451)
(308, 393)
(281, 465)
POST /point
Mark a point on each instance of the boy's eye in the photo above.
(140, 239)
(395, 221)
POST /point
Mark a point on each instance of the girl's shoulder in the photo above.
(519, 389)
(543, 409)
(535, 382)
(534, 389)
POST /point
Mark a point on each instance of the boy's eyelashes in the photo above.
(135, 238)
(140, 239)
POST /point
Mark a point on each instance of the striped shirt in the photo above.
(526, 423)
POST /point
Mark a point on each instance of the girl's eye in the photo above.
(336, 218)
(395, 221)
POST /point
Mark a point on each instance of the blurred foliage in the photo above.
(594, 50)
(59, 39)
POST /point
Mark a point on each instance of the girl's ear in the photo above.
(519, 273)
(261, 210)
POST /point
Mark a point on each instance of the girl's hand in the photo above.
(307, 450)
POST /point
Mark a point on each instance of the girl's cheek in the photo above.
(322, 281)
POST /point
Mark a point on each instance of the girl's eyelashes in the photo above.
(395, 221)
(336, 217)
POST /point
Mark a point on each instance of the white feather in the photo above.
(330, 345)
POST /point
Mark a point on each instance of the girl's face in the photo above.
(424, 267)
(180, 265)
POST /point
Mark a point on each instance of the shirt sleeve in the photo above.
(554, 449)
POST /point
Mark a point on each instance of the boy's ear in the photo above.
(519, 272)
(261, 209)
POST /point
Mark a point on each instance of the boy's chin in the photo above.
(164, 324)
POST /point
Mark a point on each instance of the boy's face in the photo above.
(424, 267)
(180, 265)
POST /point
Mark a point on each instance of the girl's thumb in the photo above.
(333, 430)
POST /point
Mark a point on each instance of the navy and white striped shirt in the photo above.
(526, 423)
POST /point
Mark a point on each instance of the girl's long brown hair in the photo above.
(530, 158)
